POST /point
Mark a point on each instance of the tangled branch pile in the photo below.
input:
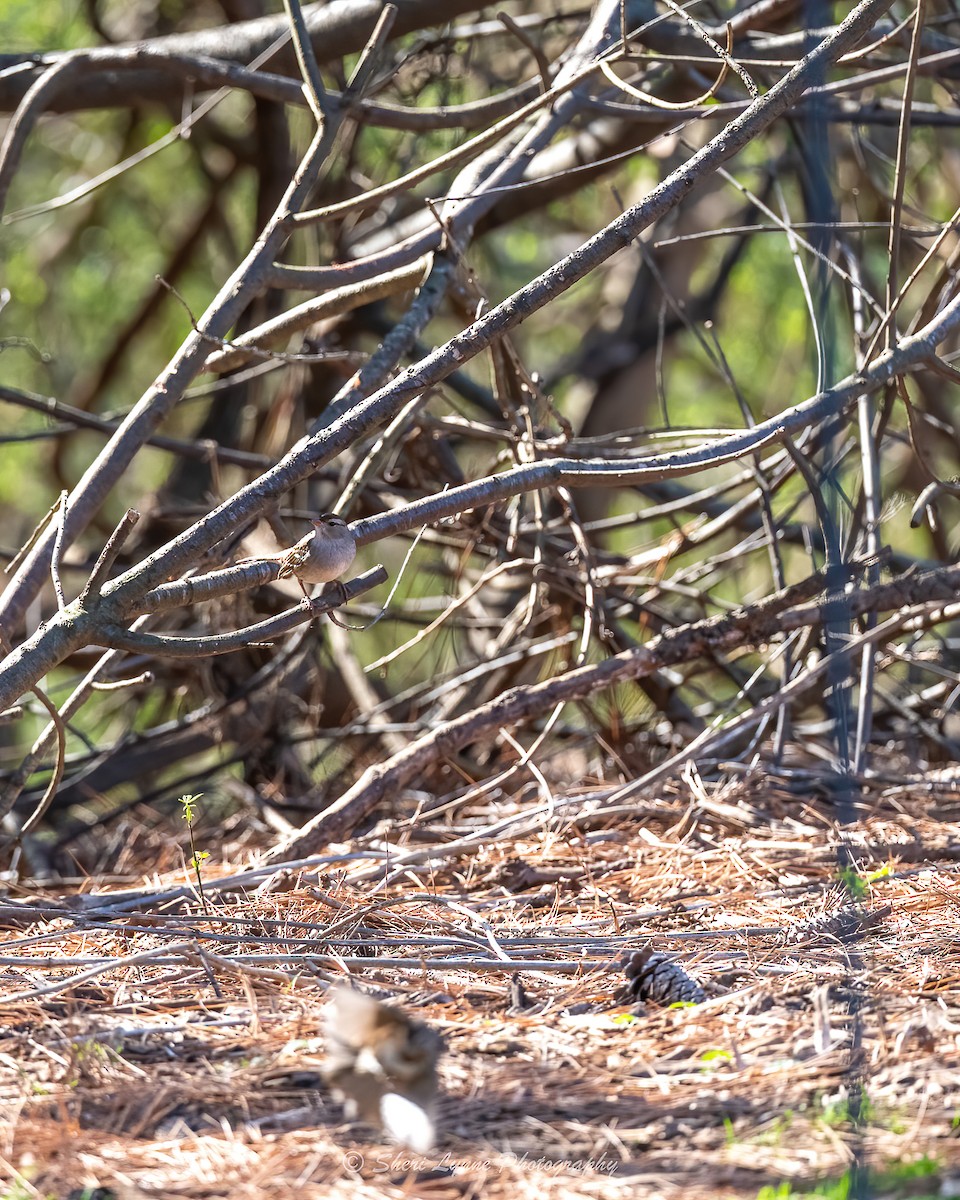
(622, 339)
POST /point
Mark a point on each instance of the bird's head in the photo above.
(329, 521)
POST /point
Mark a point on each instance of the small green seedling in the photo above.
(188, 804)
(854, 882)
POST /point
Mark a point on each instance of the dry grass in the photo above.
(187, 1071)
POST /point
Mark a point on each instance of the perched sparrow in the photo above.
(322, 555)
(384, 1065)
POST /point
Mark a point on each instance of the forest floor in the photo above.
(159, 1044)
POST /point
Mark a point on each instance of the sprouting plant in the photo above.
(188, 804)
(711, 1060)
(624, 1018)
(854, 882)
(781, 1191)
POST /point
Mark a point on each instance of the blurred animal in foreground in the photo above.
(384, 1066)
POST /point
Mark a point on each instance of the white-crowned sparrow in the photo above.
(384, 1065)
(323, 555)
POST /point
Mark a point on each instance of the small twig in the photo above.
(715, 47)
(948, 229)
(543, 63)
(51, 789)
(872, 489)
(254, 342)
(58, 551)
(10, 795)
(370, 56)
(244, 970)
(385, 608)
(324, 306)
(900, 175)
(313, 88)
(53, 81)
(34, 537)
(649, 98)
(98, 576)
(925, 504)
(116, 685)
(464, 598)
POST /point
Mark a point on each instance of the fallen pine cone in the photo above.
(844, 925)
(653, 975)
